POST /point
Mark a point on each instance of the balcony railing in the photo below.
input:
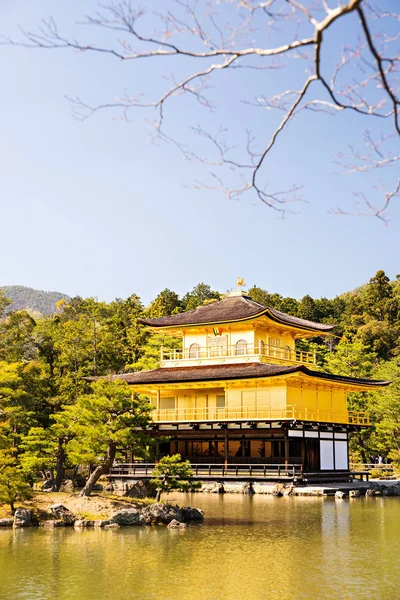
(193, 415)
(238, 352)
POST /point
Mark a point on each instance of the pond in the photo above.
(248, 548)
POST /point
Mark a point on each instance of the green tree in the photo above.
(198, 296)
(13, 484)
(385, 406)
(173, 473)
(105, 424)
(354, 359)
(166, 303)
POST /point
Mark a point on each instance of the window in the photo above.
(241, 348)
(218, 345)
(167, 403)
(194, 351)
(221, 401)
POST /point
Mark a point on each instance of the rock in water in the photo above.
(192, 514)
(339, 495)
(128, 516)
(156, 514)
(354, 493)
(174, 524)
(278, 490)
(217, 488)
(62, 513)
(22, 517)
(247, 488)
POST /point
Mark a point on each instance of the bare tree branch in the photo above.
(233, 36)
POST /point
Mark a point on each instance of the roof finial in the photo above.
(240, 282)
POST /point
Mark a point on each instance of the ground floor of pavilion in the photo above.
(316, 447)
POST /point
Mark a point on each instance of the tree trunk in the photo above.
(158, 496)
(60, 471)
(12, 506)
(99, 471)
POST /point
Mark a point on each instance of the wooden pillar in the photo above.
(303, 451)
(286, 450)
(226, 448)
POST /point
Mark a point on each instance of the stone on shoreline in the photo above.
(128, 516)
(158, 513)
(278, 490)
(102, 522)
(111, 526)
(22, 517)
(247, 488)
(339, 495)
(141, 489)
(7, 522)
(80, 523)
(63, 514)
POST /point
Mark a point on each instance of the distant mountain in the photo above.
(35, 300)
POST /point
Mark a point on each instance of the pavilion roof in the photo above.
(229, 310)
(235, 371)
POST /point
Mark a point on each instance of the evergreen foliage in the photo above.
(51, 419)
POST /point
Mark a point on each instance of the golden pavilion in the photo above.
(239, 392)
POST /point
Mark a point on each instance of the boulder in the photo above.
(48, 486)
(128, 516)
(109, 487)
(247, 488)
(63, 514)
(159, 513)
(278, 489)
(339, 495)
(79, 481)
(217, 488)
(370, 493)
(290, 490)
(192, 514)
(80, 523)
(111, 526)
(354, 494)
(141, 489)
(174, 524)
(67, 486)
(6, 522)
(22, 517)
(102, 522)
(52, 523)
(98, 487)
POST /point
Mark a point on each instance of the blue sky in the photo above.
(92, 209)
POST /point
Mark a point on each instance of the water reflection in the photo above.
(249, 548)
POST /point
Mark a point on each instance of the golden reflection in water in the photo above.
(248, 548)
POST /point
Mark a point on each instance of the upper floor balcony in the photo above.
(240, 352)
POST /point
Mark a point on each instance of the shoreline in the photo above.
(109, 511)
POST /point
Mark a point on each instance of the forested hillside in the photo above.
(33, 300)
(43, 362)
